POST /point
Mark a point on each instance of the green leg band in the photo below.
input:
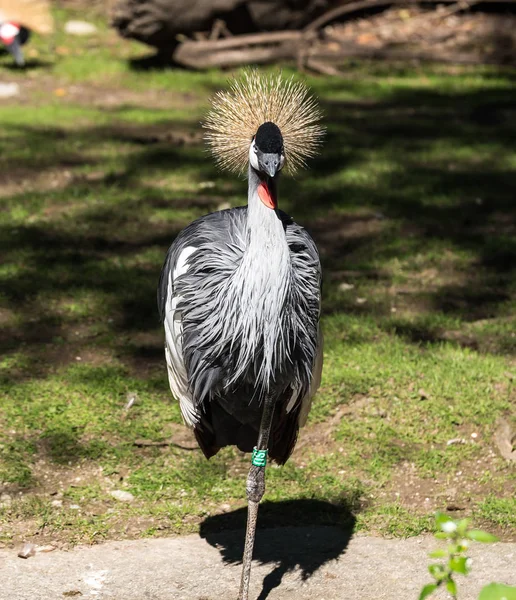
(259, 458)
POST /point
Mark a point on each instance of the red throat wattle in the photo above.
(266, 196)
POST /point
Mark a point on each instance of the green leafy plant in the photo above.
(454, 560)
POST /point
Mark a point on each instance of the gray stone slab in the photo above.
(305, 563)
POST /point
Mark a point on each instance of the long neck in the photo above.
(261, 286)
(265, 229)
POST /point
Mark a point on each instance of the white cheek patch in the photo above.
(253, 159)
(8, 31)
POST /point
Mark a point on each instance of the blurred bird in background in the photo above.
(18, 18)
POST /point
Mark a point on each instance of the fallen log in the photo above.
(318, 57)
(188, 56)
(257, 48)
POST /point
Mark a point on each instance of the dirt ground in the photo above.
(445, 31)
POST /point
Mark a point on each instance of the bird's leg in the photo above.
(255, 489)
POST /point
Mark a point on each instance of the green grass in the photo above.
(411, 203)
(501, 511)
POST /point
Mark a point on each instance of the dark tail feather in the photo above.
(284, 434)
(218, 429)
(205, 443)
(205, 435)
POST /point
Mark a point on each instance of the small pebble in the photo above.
(122, 496)
(27, 550)
(5, 500)
(47, 548)
(79, 28)
(8, 90)
(345, 287)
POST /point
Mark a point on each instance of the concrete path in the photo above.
(302, 563)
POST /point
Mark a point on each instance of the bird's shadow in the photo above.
(31, 63)
(312, 533)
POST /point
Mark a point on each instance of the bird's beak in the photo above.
(270, 164)
(271, 171)
(15, 49)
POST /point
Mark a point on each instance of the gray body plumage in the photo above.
(239, 296)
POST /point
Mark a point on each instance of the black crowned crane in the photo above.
(239, 292)
(18, 18)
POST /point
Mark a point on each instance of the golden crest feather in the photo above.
(252, 100)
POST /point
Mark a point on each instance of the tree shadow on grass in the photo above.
(298, 534)
(450, 187)
(89, 254)
(63, 447)
(426, 201)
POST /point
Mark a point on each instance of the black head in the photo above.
(266, 154)
(268, 139)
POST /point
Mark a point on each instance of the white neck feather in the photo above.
(262, 282)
